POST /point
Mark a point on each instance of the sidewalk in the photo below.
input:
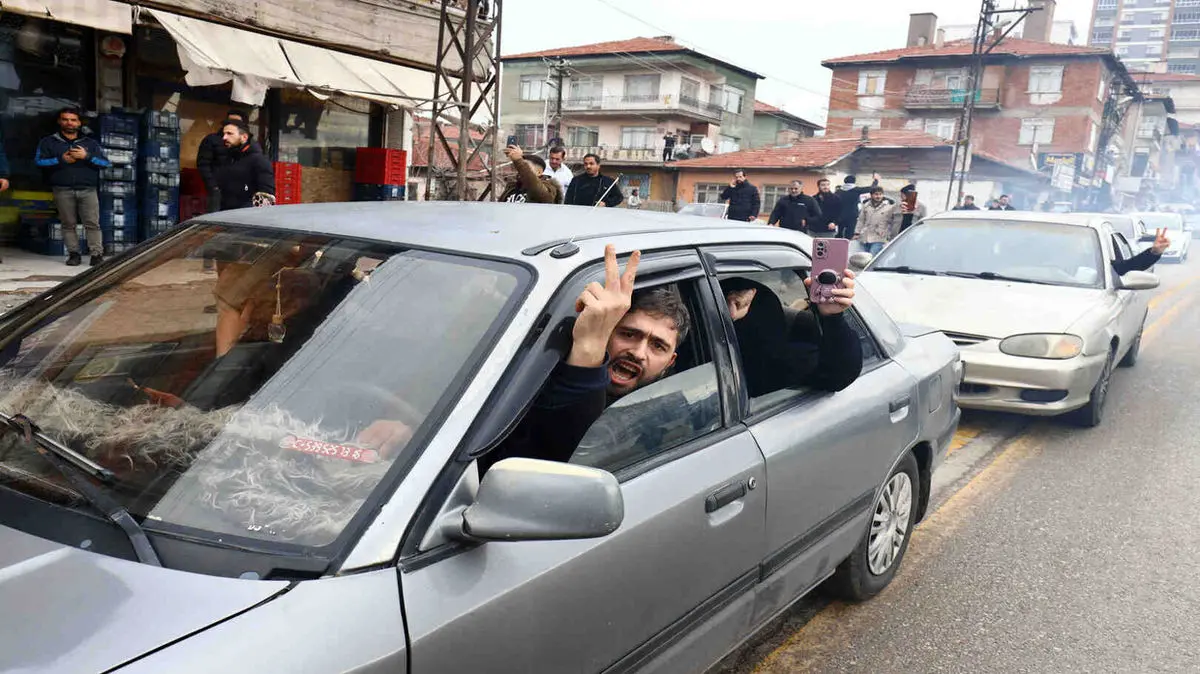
(28, 273)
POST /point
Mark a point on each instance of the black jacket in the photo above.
(972, 207)
(1001, 208)
(209, 157)
(586, 190)
(244, 172)
(83, 174)
(831, 210)
(849, 199)
(793, 212)
(1140, 262)
(744, 202)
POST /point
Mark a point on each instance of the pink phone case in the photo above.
(830, 256)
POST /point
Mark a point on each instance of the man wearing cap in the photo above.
(849, 195)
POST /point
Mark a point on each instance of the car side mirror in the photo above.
(1139, 280)
(859, 261)
(532, 500)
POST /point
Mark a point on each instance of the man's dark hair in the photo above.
(969, 196)
(234, 112)
(536, 161)
(1005, 196)
(239, 123)
(908, 188)
(69, 110)
(798, 182)
(593, 156)
(877, 190)
(823, 180)
(737, 171)
(558, 149)
(664, 301)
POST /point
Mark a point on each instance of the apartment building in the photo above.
(621, 99)
(774, 126)
(1159, 35)
(1040, 104)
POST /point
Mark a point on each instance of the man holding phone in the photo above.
(72, 162)
(909, 211)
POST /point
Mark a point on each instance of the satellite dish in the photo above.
(706, 144)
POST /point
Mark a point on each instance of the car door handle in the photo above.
(898, 405)
(724, 496)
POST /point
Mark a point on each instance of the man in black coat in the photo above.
(968, 204)
(796, 211)
(590, 188)
(743, 198)
(849, 195)
(1002, 204)
(211, 155)
(246, 171)
(831, 210)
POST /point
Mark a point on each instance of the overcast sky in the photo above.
(784, 40)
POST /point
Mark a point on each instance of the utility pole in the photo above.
(559, 70)
(984, 44)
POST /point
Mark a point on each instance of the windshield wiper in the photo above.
(905, 269)
(993, 276)
(74, 467)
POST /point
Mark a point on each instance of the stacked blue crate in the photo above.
(159, 173)
(118, 184)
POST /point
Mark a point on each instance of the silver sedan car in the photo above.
(1032, 299)
(275, 466)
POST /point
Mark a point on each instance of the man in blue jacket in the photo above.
(72, 162)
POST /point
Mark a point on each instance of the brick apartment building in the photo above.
(1041, 104)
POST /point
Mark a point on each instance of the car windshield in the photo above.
(236, 401)
(1037, 252)
(1171, 221)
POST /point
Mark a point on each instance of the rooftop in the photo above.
(761, 108)
(639, 45)
(813, 152)
(1009, 47)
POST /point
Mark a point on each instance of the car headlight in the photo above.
(1054, 347)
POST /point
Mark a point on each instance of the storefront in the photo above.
(308, 106)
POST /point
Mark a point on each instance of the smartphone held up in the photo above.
(831, 257)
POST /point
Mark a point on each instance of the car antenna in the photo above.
(569, 248)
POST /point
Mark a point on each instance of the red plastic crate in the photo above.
(190, 182)
(287, 183)
(380, 166)
(191, 206)
(285, 170)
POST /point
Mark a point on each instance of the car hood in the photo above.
(994, 309)
(68, 610)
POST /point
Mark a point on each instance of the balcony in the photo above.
(932, 99)
(616, 155)
(641, 104)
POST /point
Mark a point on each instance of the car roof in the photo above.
(499, 229)
(1093, 220)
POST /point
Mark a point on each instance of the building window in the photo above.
(1187, 17)
(1185, 34)
(1182, 68)
(771, 195)
(638, 137)
(709, 193)
(1125, 35)
(530, 135)
(871, 82)
(1147, 126)
(1122, 51)
(535, 88)
(734, 98)
(316, 133)
(1156, 33)
(583, 136)
(1045, 80)
(869, 122)
(1141, 160)
(587, 89)
(1106, 4)
(1102, 36)
(1036, 131)
(942, 128)
(689, 92)
(1153, 50)
(728, 144)
(641, 88)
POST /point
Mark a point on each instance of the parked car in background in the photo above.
(1031, 299)
(706, 210)
(221, 495)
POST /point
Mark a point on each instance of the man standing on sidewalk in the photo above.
(73, 162)
(246, 173)
(590, 188)
(1002, 204)
(796, 211)
(744, 202)
(874, 227)
(849, 195)
(557, 169)
(831, 210)
(211, 155)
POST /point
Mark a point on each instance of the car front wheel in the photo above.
(1135, 349)
(1090, 415)
(873, 564)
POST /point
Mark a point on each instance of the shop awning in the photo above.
(105, 15)
(214, 54)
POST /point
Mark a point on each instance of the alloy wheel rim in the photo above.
(889, 524)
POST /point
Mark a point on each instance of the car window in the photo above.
(682, 406)
(779, 320)
(1123, 226)
(233, 403)
(1122, 247)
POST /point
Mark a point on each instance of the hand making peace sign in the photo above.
(600, 308)
(1161, 242)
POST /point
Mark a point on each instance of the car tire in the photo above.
(1090, 415)
(1135, 350)
(863, 574)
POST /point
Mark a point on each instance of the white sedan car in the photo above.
(1033, 300)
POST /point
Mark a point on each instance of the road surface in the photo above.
(1051, 549)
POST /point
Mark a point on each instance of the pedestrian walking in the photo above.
(874, 227)
(1002, 204)
(849, 197)
(591, 188)
(831, 210)
(72, 162)
(968, 204)
(669, 141)
(635, 201)
(557, 169)
(246, 177)
(211, 155)
(795, 210)
(743, 198)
